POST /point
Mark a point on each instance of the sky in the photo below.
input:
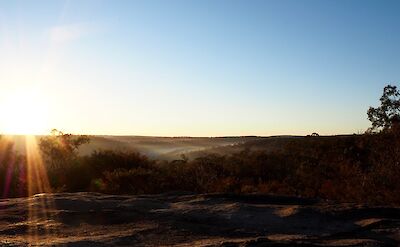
(195, 68)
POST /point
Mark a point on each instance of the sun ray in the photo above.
(41, 204)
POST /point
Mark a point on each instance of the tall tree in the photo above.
(388, 113)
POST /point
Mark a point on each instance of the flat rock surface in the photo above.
(92, 219)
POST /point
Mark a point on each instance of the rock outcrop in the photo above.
(92, 219)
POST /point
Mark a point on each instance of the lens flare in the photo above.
(42, 220)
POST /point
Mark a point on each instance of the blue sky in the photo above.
(197, 68)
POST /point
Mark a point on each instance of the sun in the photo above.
(24, 113)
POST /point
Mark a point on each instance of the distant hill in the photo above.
(169, 148)
(161, 147)
(266, 144)
(154, 147)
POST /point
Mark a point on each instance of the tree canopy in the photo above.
(388, 113)
(60, 148)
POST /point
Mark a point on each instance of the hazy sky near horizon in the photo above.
(196, 68)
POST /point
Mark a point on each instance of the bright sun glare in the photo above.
(23, 112)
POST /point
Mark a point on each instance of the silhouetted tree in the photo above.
(60, 149)
(388, 113)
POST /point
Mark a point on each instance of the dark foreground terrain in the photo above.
(92, 219)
